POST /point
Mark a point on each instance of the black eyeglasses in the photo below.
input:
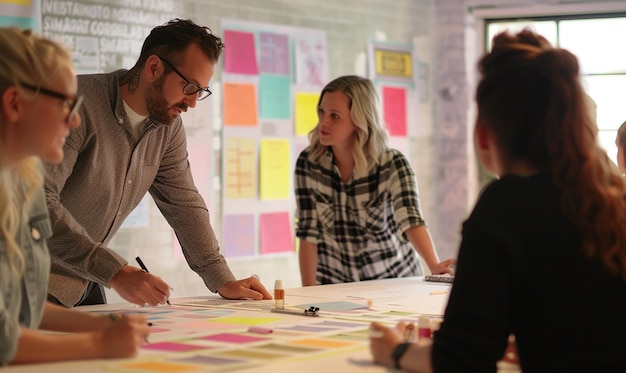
(190, 88)
(70, 102)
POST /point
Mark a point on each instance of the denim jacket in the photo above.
(22, 298)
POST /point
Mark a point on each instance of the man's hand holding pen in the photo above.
(140, 287)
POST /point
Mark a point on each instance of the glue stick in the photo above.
(279, 294)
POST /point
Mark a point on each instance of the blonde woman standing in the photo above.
(38, 108)
(358, 210)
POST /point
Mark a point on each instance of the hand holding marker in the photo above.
(143, 266)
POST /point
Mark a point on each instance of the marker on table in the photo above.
(143, 266)
(312, 311)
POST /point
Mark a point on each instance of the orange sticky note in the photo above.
(161, 366)
(240, 104)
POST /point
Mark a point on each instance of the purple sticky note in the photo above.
(274, 53)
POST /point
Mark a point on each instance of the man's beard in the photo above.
(158, 107)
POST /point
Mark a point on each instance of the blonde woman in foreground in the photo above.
(38, 109)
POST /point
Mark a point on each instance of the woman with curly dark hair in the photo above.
(543, 253)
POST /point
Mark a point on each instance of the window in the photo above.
(594, 39)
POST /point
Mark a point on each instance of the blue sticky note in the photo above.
(275, 96)
(21, 22)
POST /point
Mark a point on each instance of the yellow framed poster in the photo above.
(391, 61)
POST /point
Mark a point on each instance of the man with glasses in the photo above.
(132, 141)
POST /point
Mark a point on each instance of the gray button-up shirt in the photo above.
(103, 177)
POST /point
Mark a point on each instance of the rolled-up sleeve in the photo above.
(306, 213)
(403, 189)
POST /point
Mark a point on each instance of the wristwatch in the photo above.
(398, 352)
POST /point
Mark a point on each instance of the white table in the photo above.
(412, 296)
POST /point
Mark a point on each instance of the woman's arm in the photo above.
(120, 338)
(408, 216)
(422, 242)
(383, 342)
(60, 319)
(308, 262)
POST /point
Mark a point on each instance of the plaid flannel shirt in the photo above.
(358, 226)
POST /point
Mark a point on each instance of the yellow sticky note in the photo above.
(240, 180)
(305, 112)
(18, 2)
(275, 169)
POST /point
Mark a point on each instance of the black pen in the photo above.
(143, 266)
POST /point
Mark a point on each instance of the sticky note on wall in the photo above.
(394, 110)
(276, 233)
(305, 116)
(275, 96)
(275, 169)
(240, 56)
(238, 235)
(240, 160)
(240, 107)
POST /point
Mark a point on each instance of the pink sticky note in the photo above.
(240, 56)
(394, 110)
(276, 233)
(173, 346)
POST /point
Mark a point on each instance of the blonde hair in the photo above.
(530, 96)
(371, 140)
(31, 59)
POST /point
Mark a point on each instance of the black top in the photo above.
(521, 270)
